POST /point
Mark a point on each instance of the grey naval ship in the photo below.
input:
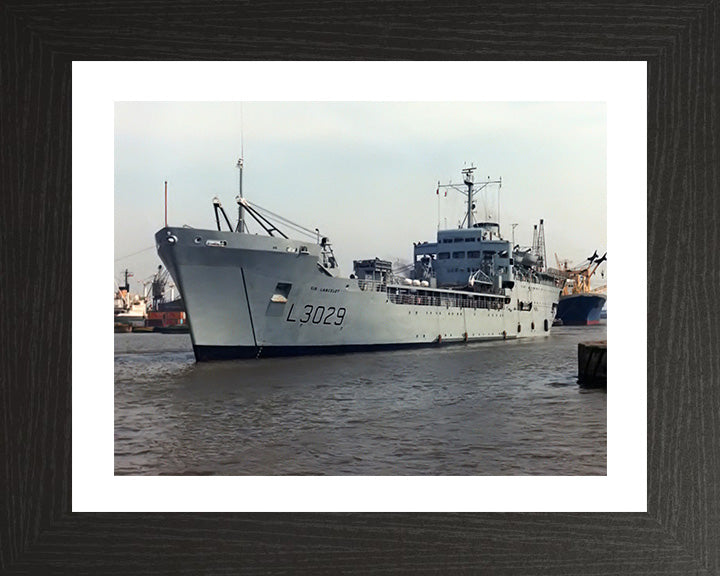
(252, 296)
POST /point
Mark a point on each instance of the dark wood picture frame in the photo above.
(680, 533)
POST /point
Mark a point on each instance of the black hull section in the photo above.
(580, 309)
(210, 353)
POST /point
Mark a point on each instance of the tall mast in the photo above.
(241, 227)
(469, 182)
(241, 221)
(542, 255)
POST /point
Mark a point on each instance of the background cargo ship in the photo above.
(579, 305)
(130, 309)
(138, 313)
(250, 296)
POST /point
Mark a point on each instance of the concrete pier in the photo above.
(592, 364)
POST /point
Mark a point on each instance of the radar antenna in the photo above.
(472, 190)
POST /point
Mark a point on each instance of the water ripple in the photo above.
(505, 408)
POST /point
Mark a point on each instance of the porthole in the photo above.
(197, 240)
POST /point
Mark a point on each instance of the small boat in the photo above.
(143, 329)
(174, 329)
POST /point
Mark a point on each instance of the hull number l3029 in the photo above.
(330, 316)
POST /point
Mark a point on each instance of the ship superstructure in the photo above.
(251, 296)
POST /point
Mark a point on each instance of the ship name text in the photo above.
(330, 290)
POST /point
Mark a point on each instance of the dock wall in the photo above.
(592, 364)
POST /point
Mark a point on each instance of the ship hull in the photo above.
(209, 353)
(580, 309)
(249, 296)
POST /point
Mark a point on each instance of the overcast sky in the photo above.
(364, 173)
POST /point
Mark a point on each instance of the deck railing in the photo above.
(418, 296)
(448, 301)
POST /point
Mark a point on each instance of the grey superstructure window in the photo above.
(458, 254)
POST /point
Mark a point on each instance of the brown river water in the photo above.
(500, 408)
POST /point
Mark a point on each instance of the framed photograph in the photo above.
(351, 157)
(67, 508)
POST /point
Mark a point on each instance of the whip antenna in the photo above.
(241, 226)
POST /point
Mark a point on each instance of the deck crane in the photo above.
(577, 278)
(158, 286)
